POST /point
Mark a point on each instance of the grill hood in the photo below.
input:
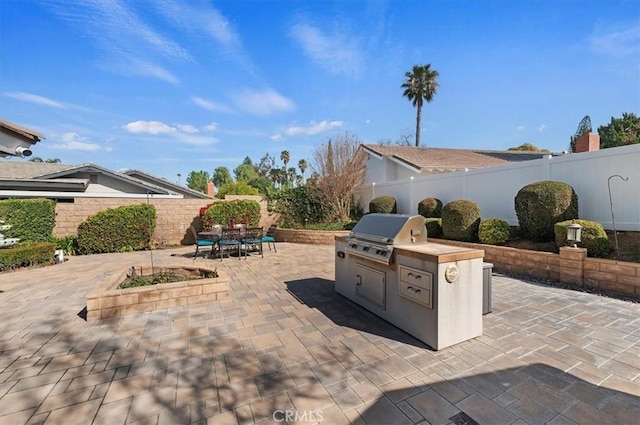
(375, 235)
(390, 229)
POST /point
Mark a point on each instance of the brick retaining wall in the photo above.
(310, 237)
(174, 216)
(571, 266)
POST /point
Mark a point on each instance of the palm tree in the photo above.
(421, 85)
(285, 157)
(302, 165)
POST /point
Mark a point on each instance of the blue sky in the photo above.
(174, 86)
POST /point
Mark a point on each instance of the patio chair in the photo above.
(200, 241)
(253, 240)
(230, 239)
(270, 237)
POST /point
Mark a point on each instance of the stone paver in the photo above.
(285, 345)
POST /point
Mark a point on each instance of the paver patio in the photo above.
(285, 344)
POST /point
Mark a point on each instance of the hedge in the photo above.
(27, 254)
(232, 212)
(31, 220)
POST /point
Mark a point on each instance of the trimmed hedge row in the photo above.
(27, 254)
(31, 220)
(232, 212)
(122, 229)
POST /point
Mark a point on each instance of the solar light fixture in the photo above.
(574, 231)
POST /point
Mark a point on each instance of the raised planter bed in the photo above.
(107, 301)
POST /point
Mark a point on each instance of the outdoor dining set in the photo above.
(239, 239)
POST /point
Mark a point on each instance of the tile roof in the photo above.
(13, 169)
(451, 159)
(23, 131)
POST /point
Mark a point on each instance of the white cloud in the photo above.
(312, 128)
(149, 127)
(541, 128)
(368, 121)
(276, 137)
(185, 133)
(263, 103)
(187, 128)
(41, 100)
(624, 42)
(338, 53)
(520, 127)
(209, 105)
(74, 142)
(211, 127)
(148, 69)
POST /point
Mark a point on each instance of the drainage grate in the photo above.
(463, 419)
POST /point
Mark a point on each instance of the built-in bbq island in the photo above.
(431, 291)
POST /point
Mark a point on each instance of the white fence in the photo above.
(494, 188)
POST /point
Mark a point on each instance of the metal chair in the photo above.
(270, 237)
(253, 239)
(200, 241)
(230, 239)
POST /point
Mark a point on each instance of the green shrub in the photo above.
(494, 231)
(68, 244)
(236, 188)
(434, 227)
(540, 205)
(31, 220)
(232, 212)
(27, 254)
(300, 206)
(460, 220)
(383, 204)
(430, 208)
(122, 229)
(593, 237)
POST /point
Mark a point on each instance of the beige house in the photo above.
(82, 190)
(386, 163)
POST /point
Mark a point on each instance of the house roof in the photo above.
(38, 173)
(34, 136)
(162, 182)
(445, 159)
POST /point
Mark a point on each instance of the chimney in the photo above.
(588, 142)
(211, 189)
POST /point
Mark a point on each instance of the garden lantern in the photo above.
(574, 231)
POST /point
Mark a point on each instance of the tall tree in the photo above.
(49, 161)
(620, 131)
(221, 176)
(583, 127)
(285, 157)
(245, 172)
(339, 169)
(421, 85)
(265, 165)
(302, 166)
(197, 180)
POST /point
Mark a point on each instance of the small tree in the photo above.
(339, 167)
(583, 127)
(197, 180)
(221, 176)
(620, 131)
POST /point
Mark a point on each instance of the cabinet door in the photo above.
(371, 285)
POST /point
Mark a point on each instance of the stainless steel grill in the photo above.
(375, 235)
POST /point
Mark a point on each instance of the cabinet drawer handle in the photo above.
(415, 276)
(415, 291)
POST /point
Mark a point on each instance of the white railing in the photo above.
(494, 188)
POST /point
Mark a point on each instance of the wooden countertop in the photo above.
(438, 253)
